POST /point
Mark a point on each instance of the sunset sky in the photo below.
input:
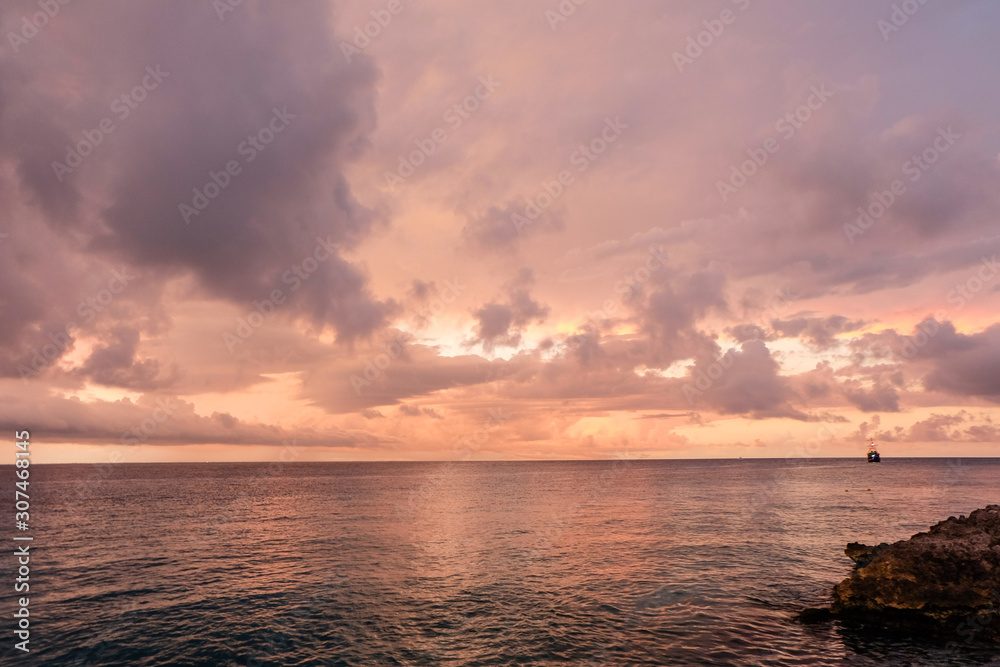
(484, 230)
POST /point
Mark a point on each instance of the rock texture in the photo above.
(946, 579)
(863, 554)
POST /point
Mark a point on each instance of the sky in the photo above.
(443, 230)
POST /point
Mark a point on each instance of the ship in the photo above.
(873, 455)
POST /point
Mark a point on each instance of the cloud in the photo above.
(417, 411)
(501, 324)
(348, 384)
(372, 334)
(746, 332)
(497, 230)
(158, 420)
(964, 365)
(667, 415)
(670, 313)
(880, 398)
(961, 426)
(116, 364)
(819, 332)
(656, 236)
(278, 103)
(421, 291)
(750, 385)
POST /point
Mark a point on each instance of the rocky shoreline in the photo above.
(945, 581)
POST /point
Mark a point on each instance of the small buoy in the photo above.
(845, 490)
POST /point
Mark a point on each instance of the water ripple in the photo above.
(583, 563)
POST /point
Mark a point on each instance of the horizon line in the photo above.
(745, 458)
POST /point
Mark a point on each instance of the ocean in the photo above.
(629, 562)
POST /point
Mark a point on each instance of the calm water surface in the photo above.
(561, 563)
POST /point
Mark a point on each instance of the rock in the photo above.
(862, 554)
(946, 579)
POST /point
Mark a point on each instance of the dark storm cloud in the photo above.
(266, 92)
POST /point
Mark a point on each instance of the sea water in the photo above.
(629, 562)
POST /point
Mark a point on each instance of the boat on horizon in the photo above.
(873, 455)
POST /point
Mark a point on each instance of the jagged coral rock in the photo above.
(946, 576)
